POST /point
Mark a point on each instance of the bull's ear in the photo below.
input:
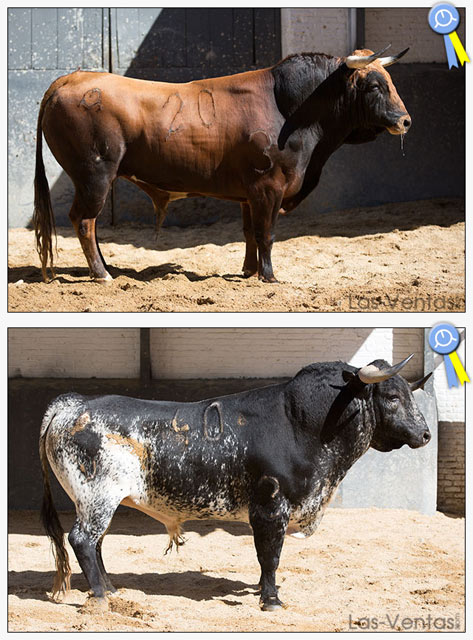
(348, 376)
(419, 384)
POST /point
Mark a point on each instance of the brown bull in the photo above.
(260, 138)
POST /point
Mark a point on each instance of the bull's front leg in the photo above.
(269, 518)
(250, 265)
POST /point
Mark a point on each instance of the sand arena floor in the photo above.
(397, 257)
(396, 567)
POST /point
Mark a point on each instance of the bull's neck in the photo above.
(312, 95)
(311, 92)
(337, 438)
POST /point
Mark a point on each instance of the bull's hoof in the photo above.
(94, 605)
(270, 279)
(247, 273)
(106, 280)
(271, 604)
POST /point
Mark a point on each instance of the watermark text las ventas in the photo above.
(405, 623)
(402, 303)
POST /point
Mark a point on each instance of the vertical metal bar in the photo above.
(109, 49)
(145, 356)
(351, 24)
(360, 28)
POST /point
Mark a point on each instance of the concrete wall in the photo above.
(325, 30)
(407, 27)
(330, 30)
(74, 353)
(253, 353)
(198, 352)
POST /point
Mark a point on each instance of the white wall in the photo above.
(74, 353)
(265, 353)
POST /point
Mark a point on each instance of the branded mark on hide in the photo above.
(92, 100)
(207, 427)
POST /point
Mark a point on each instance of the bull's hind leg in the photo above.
(106, 580)
(269, 517)
(265, 204)
(86, 538)
(88, 203)
(250, 266)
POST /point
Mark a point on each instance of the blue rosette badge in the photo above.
(444, 339)
(444, 19)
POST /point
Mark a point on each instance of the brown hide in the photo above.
(208, 136)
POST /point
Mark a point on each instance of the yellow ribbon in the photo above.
(457, 365)
(461, 53)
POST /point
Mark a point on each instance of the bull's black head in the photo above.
(378, 106)
(398, 418)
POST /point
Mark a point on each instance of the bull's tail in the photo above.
(50, 519)
(43, 216)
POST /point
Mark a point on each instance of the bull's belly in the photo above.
(172, 513)
(172, 516)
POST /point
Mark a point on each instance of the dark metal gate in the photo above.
(156, 44)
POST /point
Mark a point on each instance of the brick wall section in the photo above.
(451, 468)
(450, 401)
(74, 353)
(407, 27)
(405, 342)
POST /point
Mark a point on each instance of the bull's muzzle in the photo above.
(420, 439)
(402, 126)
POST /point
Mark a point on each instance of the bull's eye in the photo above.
(393, 399)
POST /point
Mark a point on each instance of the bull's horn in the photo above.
(358, 62)
(371, 374)
(392, 59)
(419, 384)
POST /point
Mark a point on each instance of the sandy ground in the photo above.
(390, 565)
(396, 257)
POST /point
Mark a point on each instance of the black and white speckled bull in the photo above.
(273, 456)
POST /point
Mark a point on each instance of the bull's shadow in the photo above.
(194, 585)
(133, 523)
(351, 223)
